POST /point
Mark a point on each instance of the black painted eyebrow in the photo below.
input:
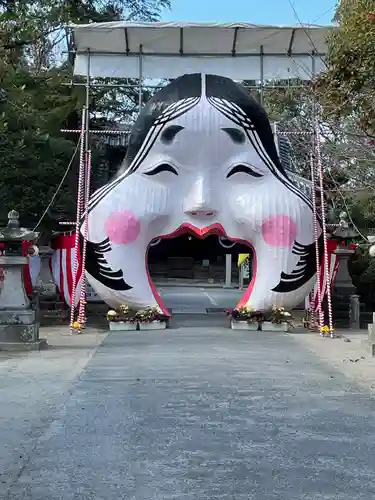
(168, 135)
(243, 169)
(237, 136)
(165, 167)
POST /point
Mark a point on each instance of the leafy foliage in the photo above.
(35, 105)
(347, 152)
(362, 271)
(346, 88)
(33, 154)
(346, 95)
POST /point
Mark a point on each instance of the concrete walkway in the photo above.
(192, 300)
(193, 414)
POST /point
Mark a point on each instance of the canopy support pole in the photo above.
(82, 203)
(262, 75)
(88, 82)
(140, 79)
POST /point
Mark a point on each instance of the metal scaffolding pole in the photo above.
(157, 87)
(261, 75)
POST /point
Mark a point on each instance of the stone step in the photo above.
(48, 306)
(44, 315)
(341, 324)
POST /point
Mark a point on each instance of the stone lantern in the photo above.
(343, 286)
(19, 326)
(345, 235)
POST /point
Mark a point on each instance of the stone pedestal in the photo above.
(343, 282)
(18, 321)
(19, 325)
(354, 312)
(45, 282)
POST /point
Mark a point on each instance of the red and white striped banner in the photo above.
(62, 267)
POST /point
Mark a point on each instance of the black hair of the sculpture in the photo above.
(190, 85)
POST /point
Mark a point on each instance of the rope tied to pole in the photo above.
(80, 198)
(327, 274)
(316, 239)
(82, 300)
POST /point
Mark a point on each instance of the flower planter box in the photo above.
(243, 325)
(122, 326)
(268, 326)
(154, 325)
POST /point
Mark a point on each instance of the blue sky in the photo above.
(251, 11)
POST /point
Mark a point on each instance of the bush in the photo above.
(362, 272)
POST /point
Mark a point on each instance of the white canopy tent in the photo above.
(159, 50)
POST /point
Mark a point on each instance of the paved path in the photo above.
(33, 387)
(198, 299)
(202, 414)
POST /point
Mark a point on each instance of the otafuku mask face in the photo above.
(202, 159)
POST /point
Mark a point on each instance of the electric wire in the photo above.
(60, 185)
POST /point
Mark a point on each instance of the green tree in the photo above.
(347, 85)
(35, 106)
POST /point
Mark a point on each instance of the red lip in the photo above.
(216, 228)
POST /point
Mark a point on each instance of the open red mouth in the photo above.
(213, 229)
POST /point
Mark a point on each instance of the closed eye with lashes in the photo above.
(243, 169)
(164, 167)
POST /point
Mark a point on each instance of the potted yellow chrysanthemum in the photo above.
(122, 319)
(245, 318)
(277, 320)
(151, 318)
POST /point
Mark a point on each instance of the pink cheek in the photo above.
(279, 231)
(122, 227)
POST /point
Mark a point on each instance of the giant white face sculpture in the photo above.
(202, 159)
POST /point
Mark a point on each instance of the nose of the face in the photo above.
(199, 202)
